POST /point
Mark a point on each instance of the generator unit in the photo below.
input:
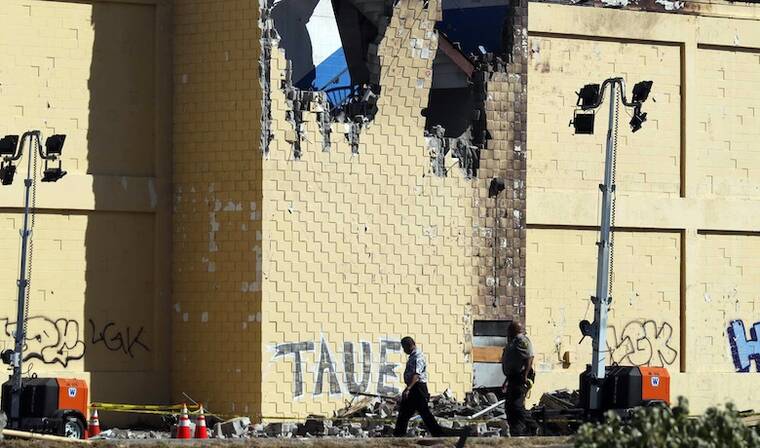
(627, 387)
(49, 405)
(45, 405)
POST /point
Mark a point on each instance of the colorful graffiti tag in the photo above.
(744, 349)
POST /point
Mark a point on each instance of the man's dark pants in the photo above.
(517, 415)
(417, 401)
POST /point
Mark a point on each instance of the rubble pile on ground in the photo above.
(370, 416)
(556, 402)
(560, 399)
(373, 416)
(125, 434)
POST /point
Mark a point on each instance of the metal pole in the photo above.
(497, 219)
(23, 283)
(602, 299)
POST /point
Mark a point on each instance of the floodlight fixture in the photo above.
(638, 119)
(588, 96)
(7, 356)
(54, 144)
(583, 122)
(53, 174)
(641, 91)
(7, 171)
(497, 186)
(8, 145)
(587, 328)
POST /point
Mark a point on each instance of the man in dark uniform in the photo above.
(517, 365)
(415, 397)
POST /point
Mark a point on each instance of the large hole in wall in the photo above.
(475, 39)
(331, 45)
(331, 49)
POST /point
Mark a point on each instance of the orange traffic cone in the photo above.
(183, 428)
(93, 428)
(201, 432)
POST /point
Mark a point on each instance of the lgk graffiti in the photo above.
(60, 342)
(50, 341)
(326, 372)
(743, 349)
(116, 339)
(642, 343)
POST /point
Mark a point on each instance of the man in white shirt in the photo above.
(415, 397)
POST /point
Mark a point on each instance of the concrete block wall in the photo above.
(216, 260)
(97, 72)
(686, 199)
(502, 220)
(729, 123)
(361, 250)
(646, 278)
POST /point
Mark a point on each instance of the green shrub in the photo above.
(663, 427)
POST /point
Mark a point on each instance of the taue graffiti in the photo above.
(116, 339)
(642, 343)
(50, 341)
(348, 363)
(744, 349)
(326, 370)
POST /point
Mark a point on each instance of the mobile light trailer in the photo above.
(609, 387)
(44, 405)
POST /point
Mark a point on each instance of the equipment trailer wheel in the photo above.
(73, 428)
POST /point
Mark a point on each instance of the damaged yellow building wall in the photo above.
(687, 208)
(96, 72)
(216, 302)
(361, 250)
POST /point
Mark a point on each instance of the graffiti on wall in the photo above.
(50, 341)
(642, 343)
(744, 349)
(125, 340)
(357, 371)
(59, 341)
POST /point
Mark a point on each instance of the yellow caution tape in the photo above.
(138, 411)
(177, 409)
(140, 406)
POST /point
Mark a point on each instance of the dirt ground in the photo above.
(475, 442)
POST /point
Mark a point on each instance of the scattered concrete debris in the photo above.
(557, 402)
(370, 416)
(560, 399)
(670, 5)
(126, 434)
(365, 417)
(235, 428)
(615, 3)
(277, 429)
